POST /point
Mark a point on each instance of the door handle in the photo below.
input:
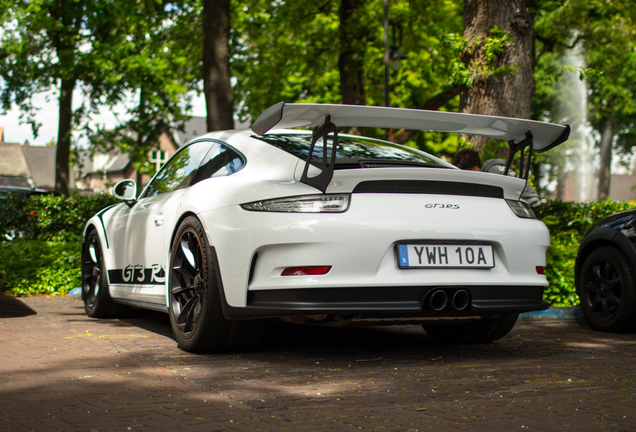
(159, 218)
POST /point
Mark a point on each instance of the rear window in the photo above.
(353, 150)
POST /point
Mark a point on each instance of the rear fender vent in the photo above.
(429, 187)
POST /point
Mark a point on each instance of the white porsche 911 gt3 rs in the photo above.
(319, 227)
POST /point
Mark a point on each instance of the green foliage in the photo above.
(603, 33)
(49, 217)
(45, 41)
(290, 51)
(483, 65)
(568, 222)
(152, 61)
(44, 258)
(29, 267)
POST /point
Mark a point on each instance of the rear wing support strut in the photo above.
(321, 181)
(524, 168)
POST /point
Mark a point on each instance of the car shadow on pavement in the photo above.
(361, 344)
(11, 307)
(152, 321)
(358, 343)
(367, 342)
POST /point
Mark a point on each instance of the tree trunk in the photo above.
(351, 60)
(65, 127)
(510, 94)
(535, 169)
(434, 103)
(216, 65)
(561, 177)
(606, 162)
(140, 142)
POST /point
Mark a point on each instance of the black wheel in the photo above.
(196, 317)
(607, 289)
(482, 331)
(97, 300)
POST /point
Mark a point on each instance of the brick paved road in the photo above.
(60, 370)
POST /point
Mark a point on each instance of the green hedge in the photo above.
(49, 217)
(29, 267)
(568, 222)
(41, 240)
(45, 258)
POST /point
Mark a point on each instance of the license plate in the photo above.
(445, 256)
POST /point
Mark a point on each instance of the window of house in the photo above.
(159, 158)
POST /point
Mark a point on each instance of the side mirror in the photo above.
(126, 191)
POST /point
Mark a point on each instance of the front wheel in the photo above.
(607, 289)
(482, 331)
(195, 311)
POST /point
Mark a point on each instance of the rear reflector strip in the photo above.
(540, 270)
(306, 271)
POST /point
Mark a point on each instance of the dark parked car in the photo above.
(605, 273)
(20, 192)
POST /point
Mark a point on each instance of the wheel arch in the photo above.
(225, 307)
(177, 224)
(599, 238)
(97, 223)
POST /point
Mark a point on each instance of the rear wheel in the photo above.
(196, 317)
(482, 331)
(607, 289)
(97, 300)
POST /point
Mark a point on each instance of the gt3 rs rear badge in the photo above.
(137, 275)
(442, 206)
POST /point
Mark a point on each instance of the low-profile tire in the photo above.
(484, 330)
(607, 289)
(195, 310)
(97, 300)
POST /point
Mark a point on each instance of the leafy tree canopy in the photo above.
(153, 63)
(289, 51)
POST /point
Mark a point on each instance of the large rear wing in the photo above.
(326, 118)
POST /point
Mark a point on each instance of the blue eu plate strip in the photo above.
(404, 255)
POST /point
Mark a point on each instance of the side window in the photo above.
(179, 171)
(220, 161)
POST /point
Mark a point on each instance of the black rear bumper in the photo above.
(387, 302)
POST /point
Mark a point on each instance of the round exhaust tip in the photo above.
(437, 300)
(461, 300)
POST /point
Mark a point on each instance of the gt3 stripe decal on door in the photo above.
(137, 275)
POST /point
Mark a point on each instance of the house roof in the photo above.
(41, 163)
(112, 161)
(193, 127)
(14, 170)
(12, 161)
